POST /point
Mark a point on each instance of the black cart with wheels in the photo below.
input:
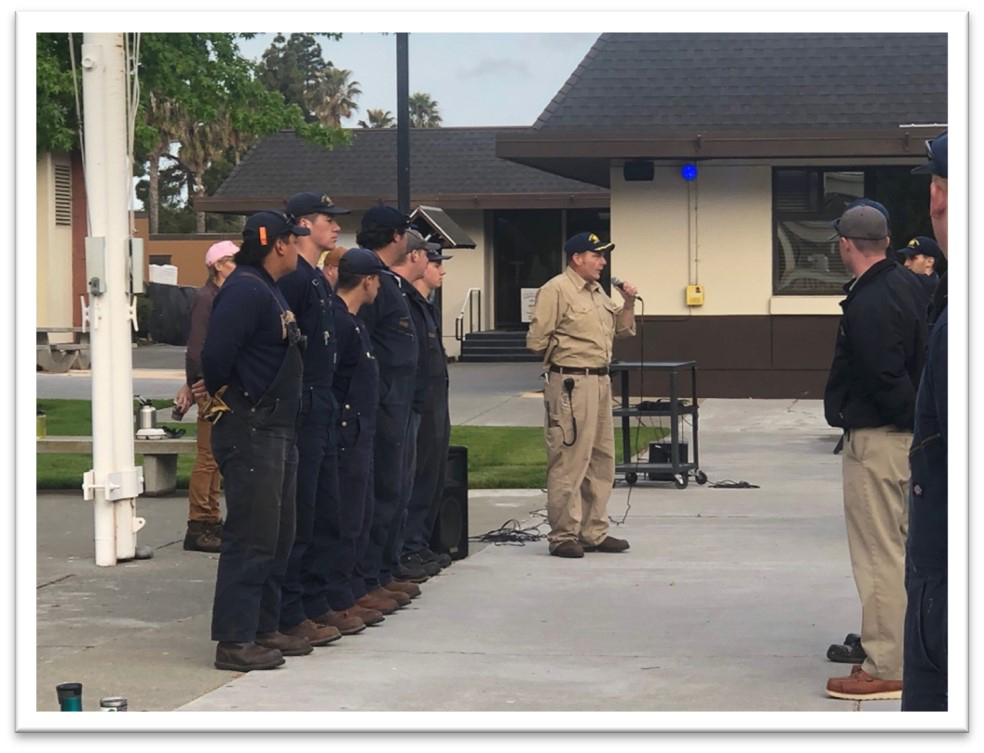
(680, 471)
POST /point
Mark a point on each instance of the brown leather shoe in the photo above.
(410, 589)
(202, 536)
(860, 686)
(608, 544)
(398, 596)
(368, 616)
(315, 634)
(245, 657)
(345, 622)
(379, 603)
(567, 549)
(288, 645)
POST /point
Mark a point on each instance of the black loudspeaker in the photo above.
(451, 527)
(661, 452)
(638, 170)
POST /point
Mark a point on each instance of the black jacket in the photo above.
(880, 351)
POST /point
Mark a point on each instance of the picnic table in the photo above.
(58, 354)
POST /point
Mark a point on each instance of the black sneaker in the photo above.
(412, 573)
(416, 561)
(849, 652)
(442, 560)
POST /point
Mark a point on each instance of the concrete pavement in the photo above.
(727, 599)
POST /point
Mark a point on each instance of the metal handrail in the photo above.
(474, 311)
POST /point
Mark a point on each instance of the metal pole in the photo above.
(402, 123)
(114, 482)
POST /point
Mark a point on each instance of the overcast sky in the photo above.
(477, 79)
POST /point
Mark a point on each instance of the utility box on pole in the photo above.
(114, 482)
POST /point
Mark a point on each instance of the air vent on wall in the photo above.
(63, 194)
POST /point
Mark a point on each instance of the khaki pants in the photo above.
(876, 501)
(579, 477)
(205, 479)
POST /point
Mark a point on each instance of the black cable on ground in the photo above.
(729, 484)
(513, 533)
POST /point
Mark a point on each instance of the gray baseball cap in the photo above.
(861, 223)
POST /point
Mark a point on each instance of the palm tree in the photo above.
(423, 111)
(334, 96)
(378, 118)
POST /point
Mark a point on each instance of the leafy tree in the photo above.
(378, 118)
(424, 112)
(57, 125)
(295, 66)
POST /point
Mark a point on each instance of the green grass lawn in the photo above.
(499, 457)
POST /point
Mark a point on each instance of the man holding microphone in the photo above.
(573, 325)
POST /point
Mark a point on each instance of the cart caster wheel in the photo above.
(631, 478)
(700, 477)
(680, 480)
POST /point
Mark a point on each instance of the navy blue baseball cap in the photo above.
(436, 255)
(264, 227)
(586, 241)
(937, 154)
(360, 261)
(311, 202)
(387, 217)
(924, 245)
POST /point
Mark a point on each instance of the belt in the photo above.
(603, 371)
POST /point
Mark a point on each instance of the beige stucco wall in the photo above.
(53, 252)
(716, 231)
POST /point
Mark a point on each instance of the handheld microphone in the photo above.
(620, 285)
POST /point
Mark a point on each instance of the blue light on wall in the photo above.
(689, 172)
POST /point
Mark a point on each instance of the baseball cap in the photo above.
(360, 261)
(924, 245)
(586, 242)
(264, 227)
(385, 217)
(436, 255)
(311, 202)
(869, 203)
(416, 241)
(937, 154)
(220, 250)
(860, 223)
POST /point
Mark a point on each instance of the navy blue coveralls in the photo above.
(307, 292)
(924, 668)
(356, 388)
(253, 350)
(433, 435)
(394, 343)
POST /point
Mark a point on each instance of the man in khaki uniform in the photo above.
(573, 325)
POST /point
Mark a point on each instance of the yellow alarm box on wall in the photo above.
(695, 295)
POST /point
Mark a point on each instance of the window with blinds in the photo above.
(63, 194)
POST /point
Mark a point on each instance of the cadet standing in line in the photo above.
(925, 668)
(411, 270)
(384, 231)
(356, 389)
(252, 366)
(434, 433)
(302, 611)
(573, 324)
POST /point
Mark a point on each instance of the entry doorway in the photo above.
(527, 248)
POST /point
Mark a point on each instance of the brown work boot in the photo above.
(608, 544)
(860, 686)
(245, 657)
(201, 537)
(288, 645)
(567, 549)
(410, 589)
(368, 616)
(398, 596)
(315, 634)
(345, 622)
(384, 605)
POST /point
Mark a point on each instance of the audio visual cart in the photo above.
(681, 471)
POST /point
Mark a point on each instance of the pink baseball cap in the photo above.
(220, 250)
